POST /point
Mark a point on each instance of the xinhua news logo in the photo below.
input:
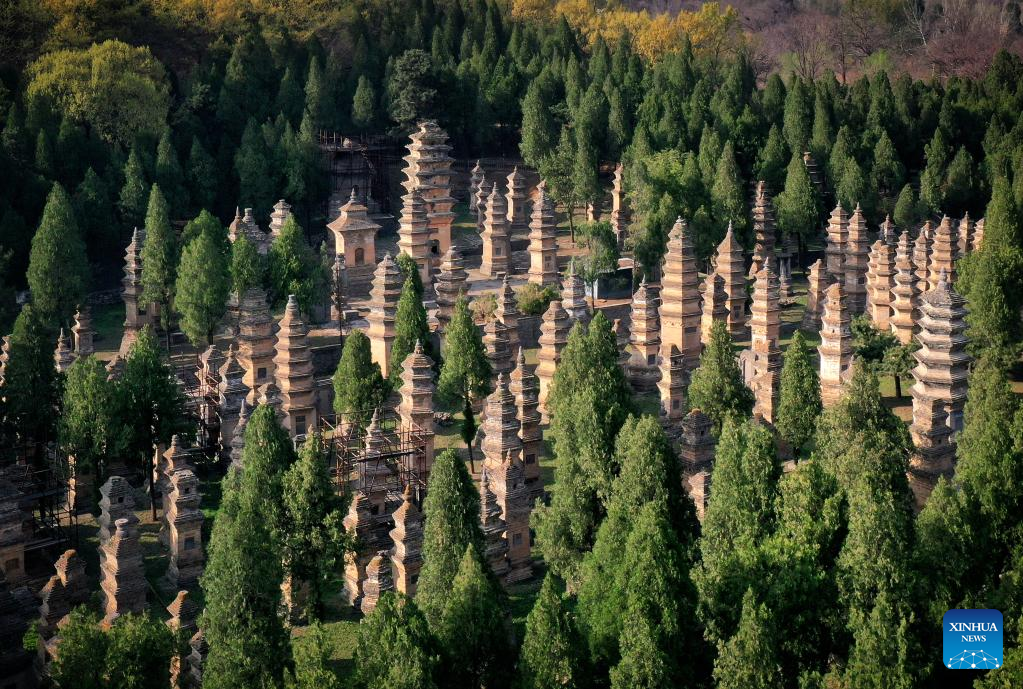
(972, 639)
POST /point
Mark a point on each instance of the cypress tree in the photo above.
(169, 174)
(202, 287)
(410, 326)
(395, 647)
(82, 661)
(139, 651)
(937, 153)
(246, 265)
(92, 205)
(202, 176)
(709, 155)
(727, 194)
(716, 386)
(749, 660)
(252, 164)
(159, 259)
(88, 429)
(906, 214)
(57, 271)
(771, 163)
(798, 117)
(410, 269)
(294, 268)
(31, 385)
(957, 196)
(773, 99)
(364, 105)
(852, 190)
(451, 525)
(740, 514)
(888, 173)
(540, 130)
(821, 139)
(317, 97)
(882, 653)
(206, 223)
(1002, 224)
(553, 655)
(797, 205)
(359, 387)
(134, 194)
(290, 96)
(44, 156)
(799, 403)
(466, 372)
(840, 154)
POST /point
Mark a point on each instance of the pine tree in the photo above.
(800, 400)
(410, 326)
(474, 643)
(58, 275)
(159, 259)
(203, 283)
(798, 117)
(395, 646)
(888, 173)
(727, 192)
(797, 205)
(716, 387)
(748, 660)
(451, 525)
(294, 268)
(314, 538)
(31, 385)
(202, 176)
(169, 175)
(88, 429)
(466, 372)
(553, 655)
(771, 163)
(740, 514)
(246, 265)
(364, 105)
(359, 387)
(135, 192)
(906, 213)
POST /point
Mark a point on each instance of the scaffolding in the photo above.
(358, 162)
(202, 402)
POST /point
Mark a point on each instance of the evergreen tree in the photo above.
(821, 139)
(268, 455)
(252, 164)
(410, 269)
(57, 272)
(933, 175)
(716, 387)
(451, 525)
(246, 266)
(800, 399)
(93, 207)
(364, 105)
(202, 287)
(359, 387)
(139, 650)
(852, 190)
(797, 205)
(205, 223)
(395, 647)
(727, 194)
(410, 326)
(798, 117)
(840, 155)
(317, 96)
(709, 155)
(472, 638)
(957, 196)
(202, 176)
(906, 213)
(740, 514)
(888, 173)
(882, 654)
(159, 259)
(314, 537)
(294, 268)
(44, 156)
(134, 194)
(290, 95)
(88, 429)
(748, 660)
(540, 129)
(466, 372)
(1002, 224)
(169, 175)
(82, 660)
(771, 164)
(553, 655)
(411, 88)
(31, 385)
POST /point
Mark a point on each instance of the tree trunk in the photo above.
(152, 487)
(898, 386)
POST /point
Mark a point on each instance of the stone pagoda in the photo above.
(696, 452)
(231, 394)
(383, 308)
(245, 225)
(361, 521)
(414, 233)
(835, 349)
(729, 265)
(905, 295)
(184, 530)
(978, 236)
(122, 575)
(507, 312)
(943, 254)
(255, 340)
(355, 239)
(619, 214)
(834, 251)
(939, 393)
(494, 529)
(63, 356)
(554, 330)
(644, 338)
(671, 389)
(137, 314)
(922, 256)
(475, 178)
(964, 239)
(543, 239)
(814, 171)
(525, 387)
(499, 352)
(480, 202)
(496, 237)
(416, 406)
(428, 169)
(64, 591)
(857, 250)
(378, 581)
(449, 285)
(83, 333)
(680, 295)
(116, 502)
(887, 233)
(573, 295)
(880, 283)
(237, 440)
(763, 229)
(508, 481)
(817, 285)
(294, 372)
(500, 425)
(407, 553)
(765, 331)
(518, 218)
(279, 216)
(715, 304)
